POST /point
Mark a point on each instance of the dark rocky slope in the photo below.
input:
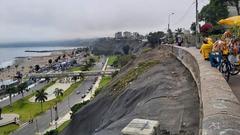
(165, 92)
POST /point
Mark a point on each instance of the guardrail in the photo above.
(71, 74)
(220, 109)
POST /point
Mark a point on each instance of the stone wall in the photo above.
(220, 109)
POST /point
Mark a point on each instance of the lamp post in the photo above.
(169, 17)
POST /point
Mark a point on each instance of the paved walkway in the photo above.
(51, 90)
(8, 119)
(234, 83)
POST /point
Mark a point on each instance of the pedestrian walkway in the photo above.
(8, 119)
(51, 89)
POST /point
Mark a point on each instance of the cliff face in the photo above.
(154, 86)
(107, 46)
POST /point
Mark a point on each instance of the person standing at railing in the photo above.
(206, 48)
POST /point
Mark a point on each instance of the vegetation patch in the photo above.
(63, 126)
(145, 50)
(6, 130)
(121, 61)
(78, 106)
(133, 74)
(112, 59)
(103, 83)
(28, 110)
(59, 129)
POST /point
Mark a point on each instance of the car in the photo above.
(78, 92)
(83, 96)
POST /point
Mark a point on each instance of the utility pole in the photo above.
(169, 15)
(197, 25)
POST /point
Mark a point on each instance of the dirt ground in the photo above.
(166, 93)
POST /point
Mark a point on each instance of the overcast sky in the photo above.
(37, 20)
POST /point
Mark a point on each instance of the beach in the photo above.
(25, 64)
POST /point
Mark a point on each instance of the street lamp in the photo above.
(169, 15)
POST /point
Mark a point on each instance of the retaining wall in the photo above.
(220, 109)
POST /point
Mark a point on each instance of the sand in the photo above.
(24, 64)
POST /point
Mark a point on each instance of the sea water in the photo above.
(8, 54)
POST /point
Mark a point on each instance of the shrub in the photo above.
(78, 106)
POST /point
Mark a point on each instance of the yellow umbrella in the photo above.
(235, 20)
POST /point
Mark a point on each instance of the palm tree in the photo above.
(58, 93)
(16, 67)
(22, 68)
(10, 90)
(41, 96)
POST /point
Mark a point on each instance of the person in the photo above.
(206, 48)
(216, 54)
(179, 40)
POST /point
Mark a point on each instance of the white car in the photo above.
(78, 92)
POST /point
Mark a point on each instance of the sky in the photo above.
(43, 20)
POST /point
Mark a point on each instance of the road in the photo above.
(63, 107)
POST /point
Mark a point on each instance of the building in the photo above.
(127, 34)
(136, 35)
(118, 35)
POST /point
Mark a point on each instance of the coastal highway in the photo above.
(63, 107)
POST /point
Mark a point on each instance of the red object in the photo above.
(206, 27)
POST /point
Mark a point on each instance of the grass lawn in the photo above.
(73, 69)
(105, 80)
(111, 59)
(28, 110)
(63, 126)
(5, 130)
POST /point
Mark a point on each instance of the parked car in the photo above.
(78, 92)
(83, 96)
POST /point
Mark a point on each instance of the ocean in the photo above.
(9, 53)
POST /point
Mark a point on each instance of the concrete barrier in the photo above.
(220, 109)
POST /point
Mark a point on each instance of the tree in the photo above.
(214, 11)
(22, 87)
(179, 31)
(58, 92)
(126, 49)
(154, 38)
(50, 61)
(193, 28)
(74, 78)
(206, 29)
(10, 90)
(30, 67)
(16, 67)
(41, 96)
(234, 3)
(8, 68)
(37, 67)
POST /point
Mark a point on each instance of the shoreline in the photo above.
(27, 63)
